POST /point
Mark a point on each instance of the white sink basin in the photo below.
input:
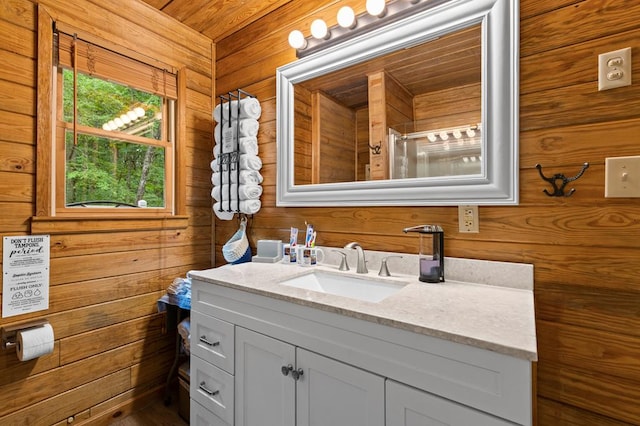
(355, 287)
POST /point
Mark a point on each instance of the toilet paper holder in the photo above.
(9, 333)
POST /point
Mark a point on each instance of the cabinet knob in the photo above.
(206, 341)
(209, 392)
(286, 369)
(296, 374)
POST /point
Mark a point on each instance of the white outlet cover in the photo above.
(621, 66)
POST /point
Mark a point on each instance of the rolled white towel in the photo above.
(247, 127)
(250, 177)
(248, 145)
(250, 206)
(224, 215)
(227, 146)
(249, 108)
(250, 162)
(246, 192)
(246, 207)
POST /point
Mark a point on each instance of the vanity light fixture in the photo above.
(349, 25)
(296, 40)
(347, 18)
(376, 8)
(319, 30)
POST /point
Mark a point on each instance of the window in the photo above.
(115, 121)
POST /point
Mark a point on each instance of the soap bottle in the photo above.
(431, 252)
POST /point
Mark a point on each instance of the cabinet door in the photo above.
(330, 393)
(264, 395)
(407, 406)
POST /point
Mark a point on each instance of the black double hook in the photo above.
(559, 181)
(376, 150)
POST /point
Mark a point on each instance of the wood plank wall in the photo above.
(110, 353)
(585, 248)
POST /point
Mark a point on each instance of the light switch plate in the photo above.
(622, 177)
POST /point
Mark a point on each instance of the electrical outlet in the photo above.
(468, 219)
(614, 69)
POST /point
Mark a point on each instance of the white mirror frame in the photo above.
(497, 184)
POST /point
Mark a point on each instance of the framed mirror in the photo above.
(422, 111)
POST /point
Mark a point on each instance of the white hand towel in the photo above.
(249, 177)
(246, 192)
(248, 145)
(247, 127)
(246, 207)
(249, 108)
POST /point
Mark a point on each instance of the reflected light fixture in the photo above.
(378, 13)
(124, 120)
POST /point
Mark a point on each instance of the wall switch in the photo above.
(622, 177)
(614, 69)
(468, 219)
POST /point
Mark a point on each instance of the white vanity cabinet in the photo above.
(350, 371)
(280, 384)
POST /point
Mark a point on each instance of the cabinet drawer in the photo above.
(213, 388)
(200, 416)
(407, 406)
(213, 340)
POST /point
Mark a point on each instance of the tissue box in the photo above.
(269, 251)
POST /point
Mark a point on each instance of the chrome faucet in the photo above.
(362, 263)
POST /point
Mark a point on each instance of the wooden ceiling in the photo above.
(217, 19)
(452, 60)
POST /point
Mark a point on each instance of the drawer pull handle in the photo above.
(296, 374)
(286, 369)
(204, 389)
(204, 340)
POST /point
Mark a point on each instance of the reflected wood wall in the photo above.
(110, 353)
(585, 248)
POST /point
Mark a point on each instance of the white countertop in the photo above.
(499, 318)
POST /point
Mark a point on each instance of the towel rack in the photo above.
(229, 162)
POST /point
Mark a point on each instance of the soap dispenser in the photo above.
(431, 252)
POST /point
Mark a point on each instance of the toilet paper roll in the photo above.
(34, 342)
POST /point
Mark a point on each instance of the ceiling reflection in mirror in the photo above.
(427, 98)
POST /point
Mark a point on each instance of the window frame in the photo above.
(50, 154)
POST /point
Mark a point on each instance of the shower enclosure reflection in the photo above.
(439, 152)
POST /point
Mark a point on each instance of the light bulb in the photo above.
(139, 111)
(444, 136)
(319, 29)
(376, 8)
(106, 127)
(112, 124)
(132, 115)
(471, 133)
(347, 17)
(296, 40)
(457, 134)
(118, 122)
(125, 119)
(431, 137)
